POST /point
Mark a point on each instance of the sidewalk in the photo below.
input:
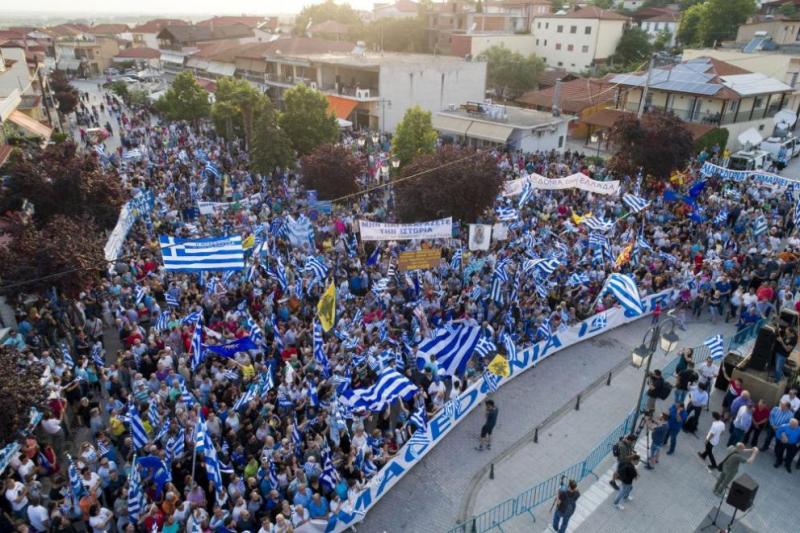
(571, 437)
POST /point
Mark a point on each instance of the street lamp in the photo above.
(361, 141)
(375, 137)
(395, 162)
(644, 353)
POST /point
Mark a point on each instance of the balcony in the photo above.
(712, 118)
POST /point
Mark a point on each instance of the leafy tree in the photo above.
(414, 135)
(271, 147)
(22, 390)
(662, 40)
(659, 143)
(120, 88)
(327, 10)
(331, 170)
(397, 34)
(185, 99)
(234, 109)
(61, 181)
(64, 93)
(307, 120)
(605, 4)
(557, 5)
(708, 140)
(689, 28)
(454, 181)
(788, 10)
(633, 48)
(138, 98)
(511, 73)
(66, 252)
(714, 21)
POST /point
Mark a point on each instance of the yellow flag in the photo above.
(249, 242)
(499, 366)
(579, 219)
(326, 308)
(624, 256)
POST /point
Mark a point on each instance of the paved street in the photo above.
(438, 487)
(90, 86)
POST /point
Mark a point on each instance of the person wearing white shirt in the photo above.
(712, 439)
(708, 373)
(792, 399)
(17, 496)
(37, 516)
(100, 519)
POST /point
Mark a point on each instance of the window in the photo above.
(537, 42)
(570, 48)
(561, 141)
(558, 46)
(587, 30)
(539, 25)
(656, 26)
(585, 48)
(759, 102)
(545, 42)
(560, 63)
(560, 28)
(547, 25)
(573, 29)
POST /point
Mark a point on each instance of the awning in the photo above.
(222, 69)
(451, 125)
(196, 62)
(489, 132)
(341, 107)
(32, 126)
(68, 64)
(176, 59)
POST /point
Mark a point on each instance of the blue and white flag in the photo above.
(197, 344)
(625, 291)
(244, 399)
(66, 355)
(276, 335)
(511, 348)
(721, 217)
(319, 353)
(230, 349)
(316, 267)
(329, 477)
(211, 169)
(97, 355)
(171, 299)
(191, 318)
(797, 215)
(77, 490)
(544, 330)
(545, 266)
(389, 386)
(597, 224)
(452, 349)
(138, 433)
(136, 499)
(299, 231)
(635, 203)
(485, 347)
(527, 192)
(163, 321)
(492, 381)
(506, 214)
(717, 346)
(419, 417)
(578, 278)
(176, 445)
(455, 261)
(196, 255)
(760, 226)
(138, 294)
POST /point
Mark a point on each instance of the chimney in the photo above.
(557, 98)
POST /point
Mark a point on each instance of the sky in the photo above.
(229, 7)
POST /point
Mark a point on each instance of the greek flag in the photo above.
(254, 332)
(389, 386)
(485, 346)
(635, 203)
(545, 266)
(624, 290)
(138, 433)
(452, 349)
(669, 258)
(280, 275)
(596, 224)
(760, 226)
(578, 278)
(506, 214)
(97, 355)
(138, 292)
(76, 486)
(197, 345)
(721, 217)
(200, 435)
(300, 231)
(497, 290)
(329, 476)
(163, 321)
(419, 417)
(797, 215)
(276, 335)
(66, 355)
(527, 192)
(475, 293)
(163, 431)
(191, 318)
(455, 262)
(172, 300)
(266, 384)
(492, 381)
(153, 415)
(317, 267)
(135, 493)
(196, 255)
(544, 330)
(211, 169)
(213, 465)
(244, 399)
(717, 346)
(642, 243)
(176, 445)
(297, 437)
(186, 396)
(319, 353)
(511, 348)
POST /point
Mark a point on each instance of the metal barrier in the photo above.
(545, 491)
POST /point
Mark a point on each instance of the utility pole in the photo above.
(41, 89)
(646, 87)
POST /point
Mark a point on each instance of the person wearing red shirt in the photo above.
(760, 419)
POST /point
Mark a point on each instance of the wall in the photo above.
(783, 67)
(781, 32)
(432, 86)
(654, 29)
(532, 142)
(17, 77)
(524, 44)
(577, 51)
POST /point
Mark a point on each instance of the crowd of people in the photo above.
(292, 453)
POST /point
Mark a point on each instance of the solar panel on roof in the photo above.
(754, 44)
(706, 89)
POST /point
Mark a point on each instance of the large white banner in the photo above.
(117, 236)
(447, 419)
(575, 181)
(710, 169)
(515, 187)
(208, 208)
(380, 231)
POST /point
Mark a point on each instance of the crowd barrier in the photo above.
(528, 500)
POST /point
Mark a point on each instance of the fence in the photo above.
(545, 491)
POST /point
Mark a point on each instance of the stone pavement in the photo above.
(575, 434)
(434, 492)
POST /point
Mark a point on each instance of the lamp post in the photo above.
(645, 352)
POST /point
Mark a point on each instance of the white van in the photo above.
(749, 160)
(773, 145)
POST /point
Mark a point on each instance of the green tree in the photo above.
(659, 142)
(397, 34)
(788, 10)
(120, 88)
(457, 182)
(271, 147)
(511, 73)
(714, 21)
(557, 5)
(689, 28)
(327, 10)
(185, 99)
(64, 93)
(605, 4)
(331, 170)
(414, 135)
(236, 103)
(662, 40)
(307, 120)
(633, 48)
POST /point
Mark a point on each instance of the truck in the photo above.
(750, 160)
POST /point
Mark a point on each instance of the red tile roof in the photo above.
(576, 95)
(330, 26)
(606, 118)
(109, 29)
(594, 12)
(249, 21)
(155, 25)
(139, 53)
(307, 45)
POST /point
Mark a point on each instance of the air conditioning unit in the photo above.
(313, 85)
(452, 107)
(362, 93)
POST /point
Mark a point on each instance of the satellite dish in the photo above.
(749, 138)
(784, 118)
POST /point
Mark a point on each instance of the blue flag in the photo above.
(232, 348)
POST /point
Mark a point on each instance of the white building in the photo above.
(580, 39)
(481, 125)
(399, 9)
(659, 24)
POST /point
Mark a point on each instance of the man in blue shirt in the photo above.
(778, 416)
(787, 438)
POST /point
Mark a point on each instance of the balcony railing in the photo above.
(706, 117)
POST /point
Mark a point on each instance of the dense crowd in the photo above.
(291, 452)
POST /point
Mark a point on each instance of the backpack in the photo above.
(665, 390)
(615, 449)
